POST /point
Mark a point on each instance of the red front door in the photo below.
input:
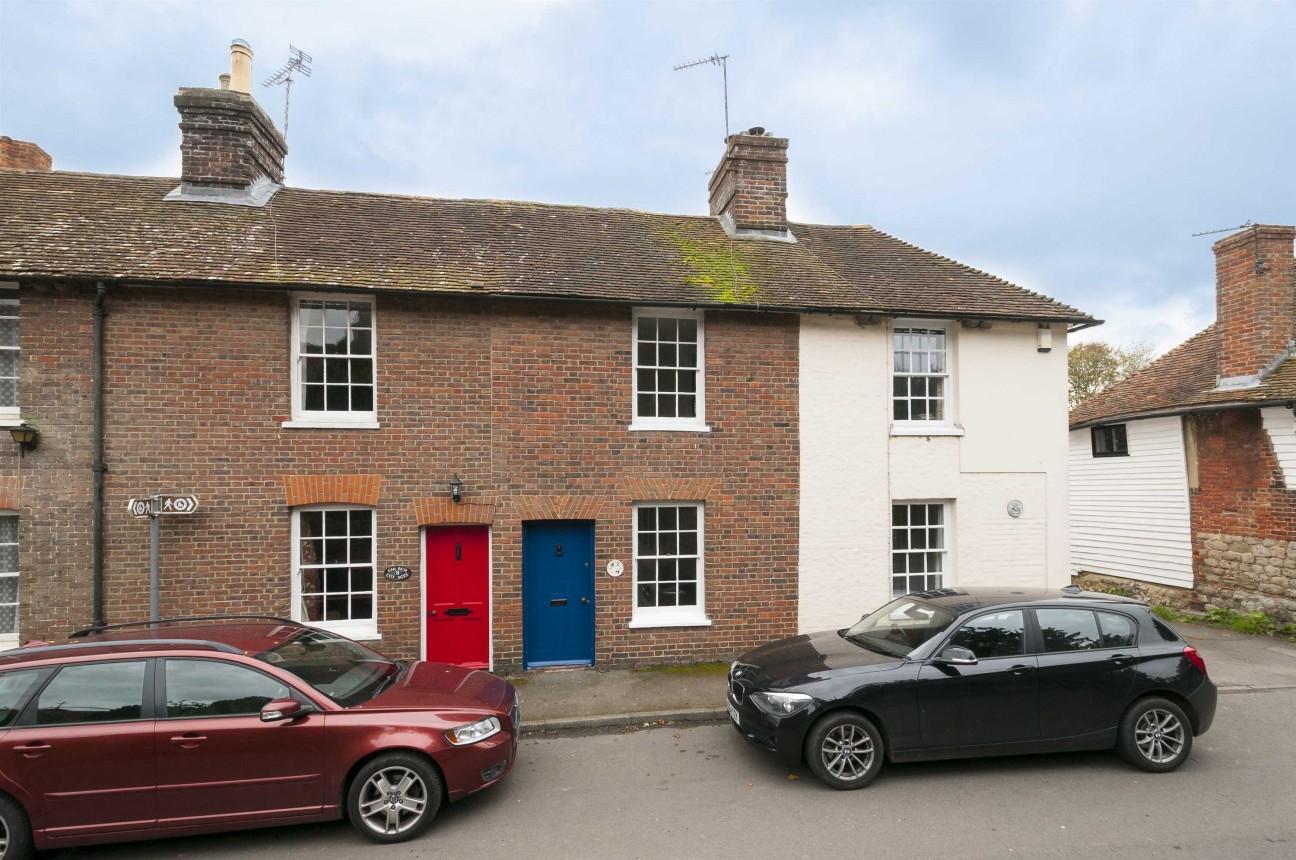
(457, 566)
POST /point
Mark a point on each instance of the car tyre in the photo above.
(394, 797)
(844, 750)
(15, 831)
(1155, 735)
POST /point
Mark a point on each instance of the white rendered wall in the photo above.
(1130, 516)
(1010, 404)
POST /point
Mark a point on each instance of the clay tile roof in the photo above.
(94, 227)
(1180, 381)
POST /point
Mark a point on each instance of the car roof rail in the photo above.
(92, 630)
(108, 643)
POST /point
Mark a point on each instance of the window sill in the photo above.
(640, 426)
(920, 430)
(311, 424)
(358, 633)
(670, 621)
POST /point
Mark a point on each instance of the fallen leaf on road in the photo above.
(793, 776)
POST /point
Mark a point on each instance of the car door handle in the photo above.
(1121, 659)
(33, 749)
(1021, 670)
(188, 741)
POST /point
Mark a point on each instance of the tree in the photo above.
(1096, 366)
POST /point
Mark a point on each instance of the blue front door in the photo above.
(557, 594)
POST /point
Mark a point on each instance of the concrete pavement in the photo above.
(567, 699)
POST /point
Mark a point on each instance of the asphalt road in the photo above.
(700, 791)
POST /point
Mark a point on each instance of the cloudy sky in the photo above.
(1071, 147)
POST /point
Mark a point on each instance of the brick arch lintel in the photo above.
(331, 489)
(10, 493)
(558, 507)
(672, 489)
(437, 511)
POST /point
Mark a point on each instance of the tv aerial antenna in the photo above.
(720, 60)
(299, 63)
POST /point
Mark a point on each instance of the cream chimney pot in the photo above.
(224, 82)
(240, 67)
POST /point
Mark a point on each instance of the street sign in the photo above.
(167, 504)
(177, 504)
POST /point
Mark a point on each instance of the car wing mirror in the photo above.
(956, 655)
(283, 709)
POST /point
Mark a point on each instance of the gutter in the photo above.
(1074, 323)
(1169, 411)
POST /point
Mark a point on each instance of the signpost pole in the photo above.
(155, 516)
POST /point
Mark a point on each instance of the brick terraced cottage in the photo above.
(1183, 477)
(498, 433)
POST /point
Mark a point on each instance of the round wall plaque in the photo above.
(615, 567)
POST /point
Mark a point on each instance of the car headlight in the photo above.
(781, 704)
(473, 732)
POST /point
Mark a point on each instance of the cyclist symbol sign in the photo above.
(166, 504)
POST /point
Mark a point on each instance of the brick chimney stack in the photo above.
(749, 186)
(230, 149)
(1255, 302)
(21, 155)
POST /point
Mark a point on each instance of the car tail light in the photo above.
(1196, 659)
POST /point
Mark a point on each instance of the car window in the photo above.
(93, 693)
(900, 627)
(14, 687)
(1068, 629)
(1117, 630)
(997, 634)
(345, 671)
(207, 688)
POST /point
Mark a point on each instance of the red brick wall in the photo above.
(523, 401)
(1243, 517)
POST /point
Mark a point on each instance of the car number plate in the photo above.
(733, 713)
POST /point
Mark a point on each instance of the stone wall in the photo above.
(1183, 599)
(1248, 574)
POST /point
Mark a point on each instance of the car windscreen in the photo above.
(900, 627)
(345, 671)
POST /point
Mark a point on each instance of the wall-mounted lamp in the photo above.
(26, 437)
(456, 490)
(1044, 339)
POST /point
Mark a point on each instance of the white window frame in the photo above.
(12, 414)
(10, 640)
(671, 616)
(695, 424)
(946, 425)
(946, 551)
(366, 628)
(301, 417)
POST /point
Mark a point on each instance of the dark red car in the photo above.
(222, 723)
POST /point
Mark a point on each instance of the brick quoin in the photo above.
(528, 403)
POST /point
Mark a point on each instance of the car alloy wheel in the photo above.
(1155, 735)
(844, 750)
(15, 831)
(394, 797)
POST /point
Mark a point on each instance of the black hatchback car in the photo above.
(965, 672)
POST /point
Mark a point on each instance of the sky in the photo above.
(1073, 148)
